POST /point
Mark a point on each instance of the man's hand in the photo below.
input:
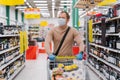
(79, 56)
(51, 57)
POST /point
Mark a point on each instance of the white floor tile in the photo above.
(34, 69)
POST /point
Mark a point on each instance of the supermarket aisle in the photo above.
(34, 69)
(37, 70)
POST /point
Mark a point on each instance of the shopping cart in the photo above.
(77, 73)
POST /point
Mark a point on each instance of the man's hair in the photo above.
(68, 16)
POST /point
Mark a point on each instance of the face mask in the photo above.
(61, 22)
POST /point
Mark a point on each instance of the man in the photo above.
(56, 35)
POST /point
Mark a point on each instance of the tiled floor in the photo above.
(37, 70)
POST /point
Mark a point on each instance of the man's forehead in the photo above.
(62, 14)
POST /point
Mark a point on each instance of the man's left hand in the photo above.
(79, 56)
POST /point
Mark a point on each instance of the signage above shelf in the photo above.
(87, 3)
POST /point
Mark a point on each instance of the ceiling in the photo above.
(48, 8)
(51, 8)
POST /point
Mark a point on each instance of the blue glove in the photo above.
(79, 56)
(51, 57)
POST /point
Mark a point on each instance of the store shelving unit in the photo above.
(111, 49)
(10, 56)
(9, 35)
(34, 31)
(98, 46)
(107, 63)
(16, 72)
(96, 71)
(2, 52)
(5, 65)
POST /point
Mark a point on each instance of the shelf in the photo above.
(117, 51)
(96, 22)
(11, 61)
(107, 63)
(1, 52)
(112, 19)
(117, 34)
(16, 72)
(97, 34)
(97, 72)
(9, 35)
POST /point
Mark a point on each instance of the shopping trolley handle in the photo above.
(65, 57)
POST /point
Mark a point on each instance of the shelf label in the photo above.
(90, 31)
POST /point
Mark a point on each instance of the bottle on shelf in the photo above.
(118, 43)
(111, 28)
(1, 45)
(118, 60)
(112, 58)
(1, 28)
(114, 42)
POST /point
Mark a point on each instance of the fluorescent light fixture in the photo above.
(42, 7)
(29, 4)
(65, 4)
(40, 1)
(53, 3)
(18, 7)
(53, 12)
(53, 8)
(66, 1)
(63, 7)
(41, 4)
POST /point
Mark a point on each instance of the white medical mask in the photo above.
(61, 21)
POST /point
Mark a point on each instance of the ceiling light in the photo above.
(42, 7)
(66, 1)
(18, 7)
(53, 9)
(65, 4)
(53, 3)
(29, 4)
(41, 4)
(63, 7)
(40, 1)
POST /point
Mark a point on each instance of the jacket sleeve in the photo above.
(79, 39)
(48, 41)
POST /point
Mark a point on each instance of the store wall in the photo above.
(19, 17)
(12, 16)
(3, 14)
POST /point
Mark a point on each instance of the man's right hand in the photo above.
(51, 57)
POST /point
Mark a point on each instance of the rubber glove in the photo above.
(79, 56)
(51, 57)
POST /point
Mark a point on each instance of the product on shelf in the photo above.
(1, 28)
(11, 29)
(2, 60)
(111, 28)
(118, 44)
